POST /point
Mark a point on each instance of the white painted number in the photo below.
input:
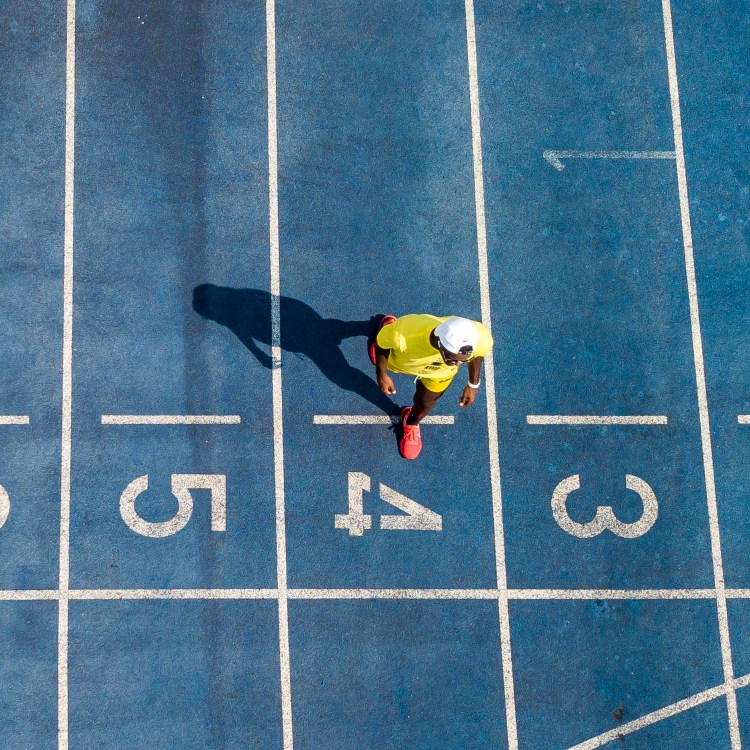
(605, 517)
(355, 520)
(417, 518)
(4, 506)
(181, 486)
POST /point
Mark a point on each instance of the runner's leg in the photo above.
(424, 402)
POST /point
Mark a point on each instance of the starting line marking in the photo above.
(565, 419)
(151, 419)
(10, 419)
(663, 713)
(357, 593)
(553, 157)
(338, 419)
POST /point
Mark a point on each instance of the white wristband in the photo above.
(474, 385)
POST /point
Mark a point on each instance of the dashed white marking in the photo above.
(278, 420)
(571, 419)
(67, 382)
(167, 419)
(359, 419)
(700, 376)
(663, 713)
(13, 420)
(492, 428)
(554, 157)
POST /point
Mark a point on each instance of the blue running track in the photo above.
(206, 206)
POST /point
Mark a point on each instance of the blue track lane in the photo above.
(32, 150)
(172, 196)
(714, 65)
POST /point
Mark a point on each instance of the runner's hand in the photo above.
(468, 396)
(386, 384)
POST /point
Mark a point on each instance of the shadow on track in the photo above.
(247, 313)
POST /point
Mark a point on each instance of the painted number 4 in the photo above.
(417, 518)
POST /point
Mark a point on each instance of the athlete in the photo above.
(432, 349)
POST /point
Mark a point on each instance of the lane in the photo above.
(32, 149)
(416, 675)
(376, 215)
(715, 86)
(715, 82)
(28, 684)
(172, 309)
(589, 295)
(179, 674)
(615, 662)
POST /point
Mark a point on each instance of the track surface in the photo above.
(205, 204)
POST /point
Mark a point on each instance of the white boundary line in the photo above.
(743, 418)
(67, 382)
(700, 377)
(492, 428)
(13, 420)
(278, 419)
(169, 419)
(572, 419)
(663, 713)
(358, 419)
(369, 593)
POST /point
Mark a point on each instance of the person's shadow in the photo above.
(247, 313)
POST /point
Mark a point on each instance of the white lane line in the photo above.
(13, 420)
(356, 593)
(663, 713)
(278, 419)
(554, 157)
(357, 419)
(492, 429)
(571, 419)
(700, 376)
(155, 419)
(743, 418)
(136, 594)
(67, 383)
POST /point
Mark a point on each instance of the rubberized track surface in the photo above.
(205, 205)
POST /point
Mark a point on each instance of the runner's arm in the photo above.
(381, 373)
(475, 370)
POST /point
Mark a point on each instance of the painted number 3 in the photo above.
(605, 517)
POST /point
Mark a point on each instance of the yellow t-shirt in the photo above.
(411, 351)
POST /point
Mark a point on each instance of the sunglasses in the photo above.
(449, 358)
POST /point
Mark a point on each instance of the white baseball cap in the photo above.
(458, 335)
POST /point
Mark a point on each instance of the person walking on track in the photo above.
(432, 349)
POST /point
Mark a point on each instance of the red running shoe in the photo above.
(387, 320)
(411, 441)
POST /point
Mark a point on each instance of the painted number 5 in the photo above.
(605, 517)
(181, 486)
(4, 506)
